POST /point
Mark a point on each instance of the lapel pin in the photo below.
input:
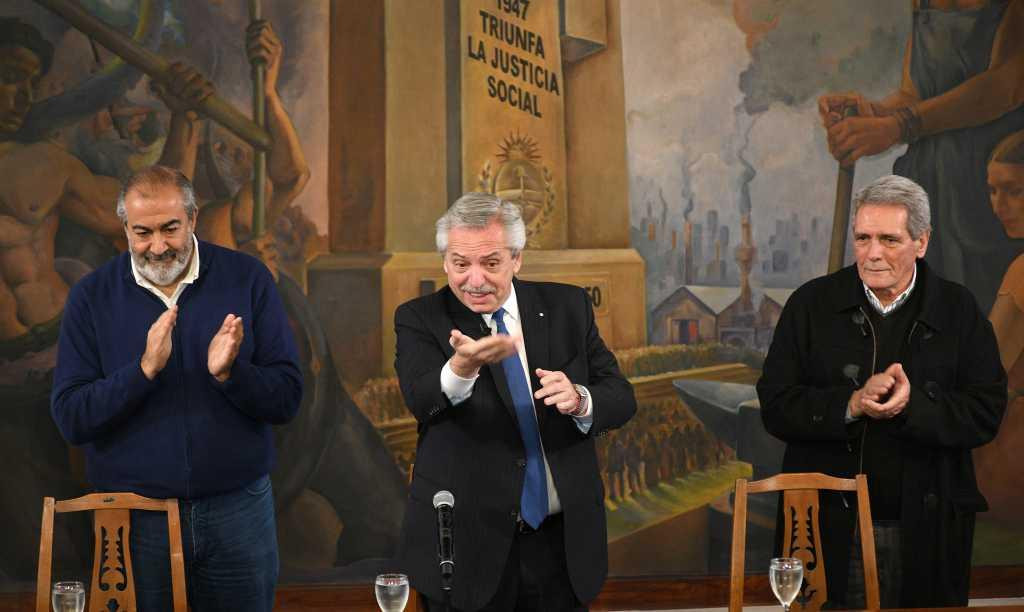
(540, 314)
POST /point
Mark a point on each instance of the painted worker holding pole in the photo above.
(959, 96)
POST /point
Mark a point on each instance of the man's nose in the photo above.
(157, 244)
(875, 250)
(476, 276)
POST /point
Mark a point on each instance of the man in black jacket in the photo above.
(884, 368)
(510, 382)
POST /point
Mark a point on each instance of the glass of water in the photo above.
(68, 597)
(786, 574)
(392, 592)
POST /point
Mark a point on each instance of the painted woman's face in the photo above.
(1006, 192)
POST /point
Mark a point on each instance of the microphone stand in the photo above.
(446, 589)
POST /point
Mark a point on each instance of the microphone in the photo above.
(444, 503)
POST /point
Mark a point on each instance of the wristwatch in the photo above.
(581, 404)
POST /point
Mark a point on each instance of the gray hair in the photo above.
(895, 190)
(153, 177)
(478, 210)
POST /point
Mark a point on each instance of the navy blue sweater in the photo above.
(182, 434)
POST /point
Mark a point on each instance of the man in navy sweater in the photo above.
(173, 361)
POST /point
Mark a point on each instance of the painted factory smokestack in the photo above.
(745, 254)
(688, 271)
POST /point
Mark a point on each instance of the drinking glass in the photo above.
(68, 597)
(392, 592)
(786, 575)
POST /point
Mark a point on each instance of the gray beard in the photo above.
(166, 269)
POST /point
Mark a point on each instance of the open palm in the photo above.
(224, 347)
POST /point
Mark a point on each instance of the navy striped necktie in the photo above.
(534, 501)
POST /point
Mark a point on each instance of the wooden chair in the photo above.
(113, 583)
(802, 535)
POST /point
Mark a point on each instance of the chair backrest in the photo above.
(113, 583)
(802, 534)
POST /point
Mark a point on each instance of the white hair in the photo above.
(893, 190)
(478, 210)
(153, 177)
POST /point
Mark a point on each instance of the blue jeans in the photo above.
(230, 547)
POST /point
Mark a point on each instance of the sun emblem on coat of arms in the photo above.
(520, 178)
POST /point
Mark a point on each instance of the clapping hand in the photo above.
(883, 396)
(224, 347)
(158, 343)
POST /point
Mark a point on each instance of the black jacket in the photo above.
(475, 451)
(957, 399)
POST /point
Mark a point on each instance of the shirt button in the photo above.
(521, 463)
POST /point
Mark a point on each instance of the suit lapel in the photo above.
(534, 318)
(465, 320)
(472, 324)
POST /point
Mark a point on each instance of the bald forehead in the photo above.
(151, 199)
(152, 190)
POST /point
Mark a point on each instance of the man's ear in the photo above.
(922, 247)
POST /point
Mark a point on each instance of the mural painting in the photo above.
(725, 166)
(733, 131)
(65, 153)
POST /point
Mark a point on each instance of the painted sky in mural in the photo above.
(705, 148)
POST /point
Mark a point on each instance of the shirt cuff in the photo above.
(585, 421)
(849, 417)
(457, 388)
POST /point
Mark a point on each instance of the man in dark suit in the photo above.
(510, 382)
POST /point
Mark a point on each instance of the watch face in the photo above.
(581, 405)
